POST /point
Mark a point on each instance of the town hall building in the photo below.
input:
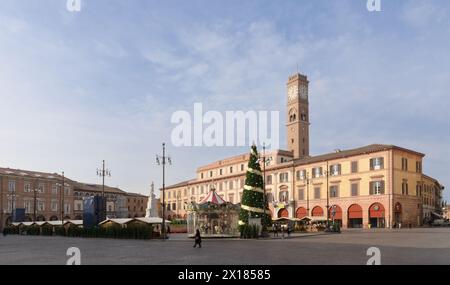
(377, 185)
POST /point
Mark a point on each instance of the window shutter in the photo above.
(382, 162)
(339, 169)
(382, 187)
(371, 184)
(371, 164)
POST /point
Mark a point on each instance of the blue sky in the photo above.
(77, 88)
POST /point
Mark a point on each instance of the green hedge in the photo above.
(115, 231)
(178, 222)
(249, 231)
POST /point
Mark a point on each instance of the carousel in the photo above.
(214, 217)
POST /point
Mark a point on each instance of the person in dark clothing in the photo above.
(198, 239)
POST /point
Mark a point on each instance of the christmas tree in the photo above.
(252, 204)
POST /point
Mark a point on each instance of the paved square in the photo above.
(408, 246)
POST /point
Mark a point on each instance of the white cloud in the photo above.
(424, 13)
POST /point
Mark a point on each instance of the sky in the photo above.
(103, 83)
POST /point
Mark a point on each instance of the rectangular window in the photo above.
(377, 188)
(174, 206)
(242, 167)
(334, 191)
(335, 170)
(54, 190)
(404, 164)
(67, 208)
(27, 206)
(354, 167)
(231, 198)
(377, 163)
(168, 207)
(317, 193)
(66, 190)
(269, 180)
(41, 188)
(27, 188)
(405, 188)
(40, 206)
(54, 205)
(301, 194)
(284, 177)
(231, 184)
(201, 175)
(221, 171)
(317, 172)
(210, 174)
(418, 167)
(231, 169)
(11, 186)
(355, 189)
(301, 174)
(284, 196)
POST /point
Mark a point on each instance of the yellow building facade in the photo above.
(372, 186)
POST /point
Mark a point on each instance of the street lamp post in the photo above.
(35, 189)
(308, 181)
(12, 196)
(162, 160)
(327, 174)
(62, 190)
(62, 198)
(266, 162)
(103, 173)
(178, 204)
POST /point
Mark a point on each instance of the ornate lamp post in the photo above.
(103, 173)
(35, 190)
(162, 160)
(62, 189)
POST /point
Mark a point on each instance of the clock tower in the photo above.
(298, 115)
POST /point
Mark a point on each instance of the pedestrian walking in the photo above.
(275, 230)
(198, 239)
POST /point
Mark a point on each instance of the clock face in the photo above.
(304, 92)
(292, 92)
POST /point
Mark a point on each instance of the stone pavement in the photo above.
(409, 246)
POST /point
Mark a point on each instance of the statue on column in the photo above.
(152, 210)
